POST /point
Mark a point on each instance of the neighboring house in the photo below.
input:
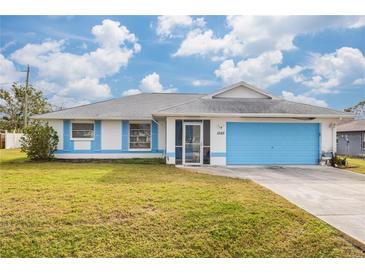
(351, 138)
(239, 124)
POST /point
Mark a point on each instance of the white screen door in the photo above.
(192, 152)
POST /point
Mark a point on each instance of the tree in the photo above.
(39, 141)
(12, 106)
(358, 110)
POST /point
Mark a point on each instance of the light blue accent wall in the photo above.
(154, 136)
(125, 133)
(67, 142)
(96, 143)
(272, 143)
(170, 154)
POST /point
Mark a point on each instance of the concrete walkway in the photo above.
(333, 195)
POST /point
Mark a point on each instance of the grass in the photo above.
(356, 165)
(113, 209)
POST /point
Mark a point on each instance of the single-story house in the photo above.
(237, 125)
(351, 138)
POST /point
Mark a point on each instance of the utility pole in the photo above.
(26, 99)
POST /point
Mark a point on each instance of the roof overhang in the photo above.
(94, 118)
(254, 115)
(350, 130)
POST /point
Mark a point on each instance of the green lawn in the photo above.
(61, 209)
(356, 165)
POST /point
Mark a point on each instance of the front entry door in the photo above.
(192, 143)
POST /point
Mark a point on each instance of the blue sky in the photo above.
(81, 59)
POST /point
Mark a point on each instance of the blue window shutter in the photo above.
(96, 143)
(178, 142)
(154, 136)
(67, 142)
(125, 134)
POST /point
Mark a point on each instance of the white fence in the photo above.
(12, 140)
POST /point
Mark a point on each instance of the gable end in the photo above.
(240, 90)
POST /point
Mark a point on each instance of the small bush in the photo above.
(337, 161)
(39, 141)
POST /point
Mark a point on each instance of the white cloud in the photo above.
(66, 102)
(287, 95)
(261, 71)
(78, 76)
(88, 86)
(110, 34)
(360, 81)
(202, 83)
(131, 92)
(200, 42)
(167, 26)
(253, 35)
(150, 83)
(76, 92)
(360, 22)
(8, 72)
(345, 66)
(260, 41)
(7, 45)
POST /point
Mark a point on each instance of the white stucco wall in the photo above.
(328, 135)
(161, 134)
(170, 140)
(111, 135)
(82, 145)
(57, 125)
(217, 141)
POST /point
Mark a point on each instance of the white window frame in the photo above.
(129, 136)
(82, 139)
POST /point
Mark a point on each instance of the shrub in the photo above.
(39, 141)
(337, 161)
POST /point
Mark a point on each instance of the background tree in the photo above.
(12, 106)
(358, 110)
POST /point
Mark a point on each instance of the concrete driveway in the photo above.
(333, 195)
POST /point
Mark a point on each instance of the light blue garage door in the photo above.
(272, 143)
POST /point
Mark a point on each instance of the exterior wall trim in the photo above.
(252, 115)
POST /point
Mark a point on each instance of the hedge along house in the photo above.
(237, 125)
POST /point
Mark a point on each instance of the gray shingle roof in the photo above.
(249, 106)
(140, 106)
(146, 105)
(357, 125)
